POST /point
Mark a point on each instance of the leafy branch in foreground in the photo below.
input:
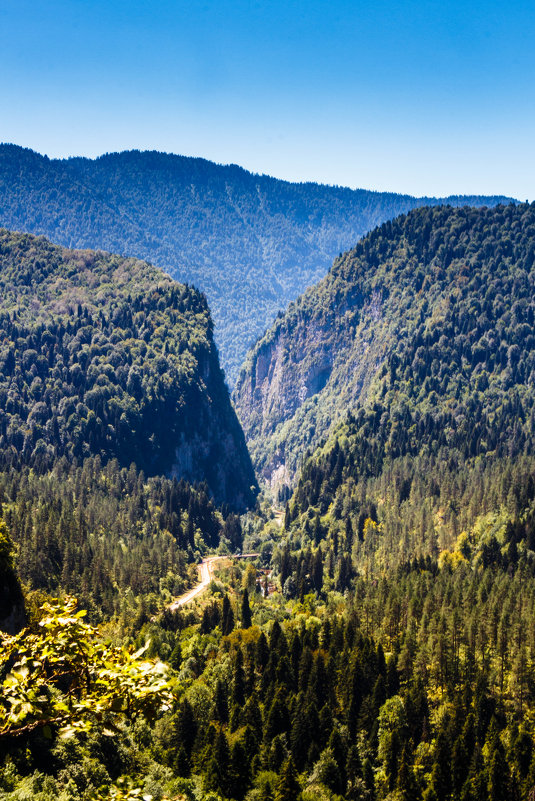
(63, 676)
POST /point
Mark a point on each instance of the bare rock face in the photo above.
(284, 373)
(212, 448)
(302, 375)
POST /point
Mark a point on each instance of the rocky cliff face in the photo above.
(315, 361)
(213, 448)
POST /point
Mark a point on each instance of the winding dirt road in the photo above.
(206, 569)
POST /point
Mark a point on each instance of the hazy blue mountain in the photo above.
(252, 243)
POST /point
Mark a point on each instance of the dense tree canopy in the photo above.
(381, 647)
(115, 539)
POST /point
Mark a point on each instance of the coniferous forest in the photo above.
(366, 628)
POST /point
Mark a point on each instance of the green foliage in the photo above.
(319, 690)
(251, 242)
(62, 678)
(6, 550)
(288, 788)
(317, 695)
(245, 610)
(395, 659)
(106, 534)
(227, 617)
(106, 528)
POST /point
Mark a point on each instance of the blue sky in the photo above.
(423, 97)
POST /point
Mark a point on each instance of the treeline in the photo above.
(409, 507)
(419, 686)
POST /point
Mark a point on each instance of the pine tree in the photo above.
(523, 752)
(185, 728)
(441, 774)
(288, 788)
(301, 734)
(406, 783)
(349, 534)
(238, 680)
(339, 752)
(317, 570)
(353, 770)
(392, 677)
(227, 617)
(217, 776)
(239, 772)
(287, 518)
(278, 718)
(245, 611)
(181, 762)
(220, 703)
(498, 781)
(175, 659)
(262, 651)
(459, 766)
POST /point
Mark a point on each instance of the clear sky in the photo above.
(423, 96)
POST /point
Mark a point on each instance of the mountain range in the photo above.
(252, 243)
(374, 640)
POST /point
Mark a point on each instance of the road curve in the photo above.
(206, 569)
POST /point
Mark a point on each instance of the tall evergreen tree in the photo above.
(246, 619)
(227, 617)
(288, 788)
(218, 773)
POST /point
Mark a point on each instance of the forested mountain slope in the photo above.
(106, 356)
(251, 242)
(425, 328)
(417, 514)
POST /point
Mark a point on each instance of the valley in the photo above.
(267, 401)
(206, 570)
(356, 626)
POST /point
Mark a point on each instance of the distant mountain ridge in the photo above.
(252, 243)
(426, 328)
(106, 356)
